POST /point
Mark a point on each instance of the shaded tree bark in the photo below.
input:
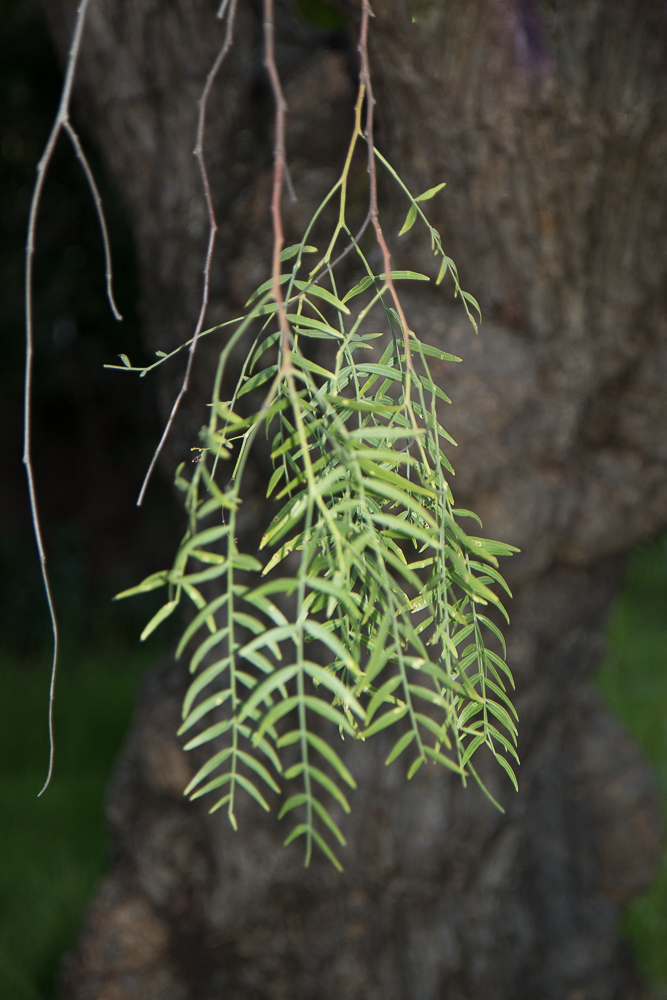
(549, 124)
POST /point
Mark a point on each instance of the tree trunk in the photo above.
(549, 124)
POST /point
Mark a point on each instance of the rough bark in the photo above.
(550, 128)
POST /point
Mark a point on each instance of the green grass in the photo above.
(633, 679)
(53, 849)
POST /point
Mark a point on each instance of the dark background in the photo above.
(93, 431)
(93, 435)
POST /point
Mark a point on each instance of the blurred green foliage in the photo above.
(53, 849)
(633, 680)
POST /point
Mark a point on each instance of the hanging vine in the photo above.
(367, 603)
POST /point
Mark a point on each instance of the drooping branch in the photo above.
(61, 123)
(341, 471)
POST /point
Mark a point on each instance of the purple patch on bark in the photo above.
(530, 50)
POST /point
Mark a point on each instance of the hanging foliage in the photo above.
(367, 602)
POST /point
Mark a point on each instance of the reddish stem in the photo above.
(279, 169)
(365, 76)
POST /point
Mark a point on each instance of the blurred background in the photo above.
(93, 435)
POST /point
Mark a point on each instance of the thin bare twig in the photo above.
(42, 167)
(228, 7)
(61, 123)
(67, 125)
(365, 76)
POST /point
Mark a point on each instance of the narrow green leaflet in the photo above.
(410, 220)
(427, 195)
